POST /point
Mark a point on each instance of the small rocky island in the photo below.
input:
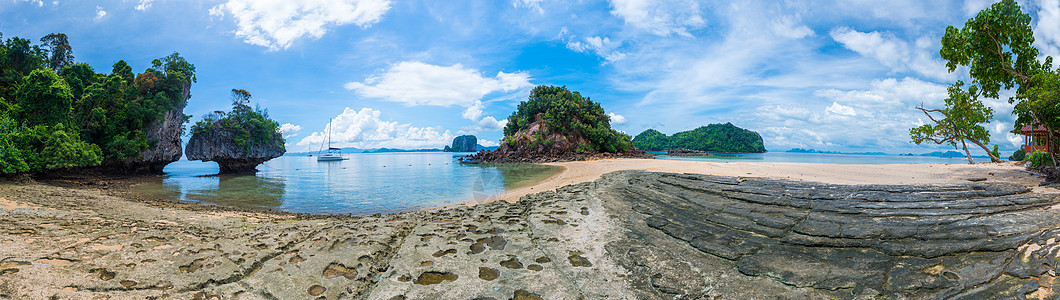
(463, 143)
(556, 124)
(239, 140)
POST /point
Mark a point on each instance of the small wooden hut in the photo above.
(1034, 138)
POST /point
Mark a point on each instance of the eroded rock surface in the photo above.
(218, 145)
(629, 235)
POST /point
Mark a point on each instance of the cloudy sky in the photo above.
(840, 76)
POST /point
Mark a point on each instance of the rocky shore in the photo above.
(628, 235)
(687, 152)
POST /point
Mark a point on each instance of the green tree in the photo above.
(248, 127)
(78, 77)
(996, 45)
(568, 113)
(44, 99)
(959, 122)
(11, 158)
(53, 147)
(17, 59)
(61, 53)
(713, 137)
(651, 140)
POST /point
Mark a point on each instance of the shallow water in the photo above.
(364, 184)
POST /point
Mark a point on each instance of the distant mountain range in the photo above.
(388, 150)
(950, 153)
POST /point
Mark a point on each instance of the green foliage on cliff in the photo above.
(249, 127)
(569, 114)
(714, 138)
(55, 113)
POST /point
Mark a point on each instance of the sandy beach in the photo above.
(583, 171)
(682, 229)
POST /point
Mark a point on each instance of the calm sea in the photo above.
(364, 184)
(395, 182)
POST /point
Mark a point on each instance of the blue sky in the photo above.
(830, 75)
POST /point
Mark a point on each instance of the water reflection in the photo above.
(240, 191)
(365, 184)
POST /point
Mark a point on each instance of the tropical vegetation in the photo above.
(713, 138)
(997, 48)
(566, 113)
(248, 127)
(55, 113)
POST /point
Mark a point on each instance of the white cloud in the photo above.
(276, 24)
(660, 17)
(486, 124)
(488, 143)
(144, 5)
(365, 129)
(895, 53)
(1047, 30)
(602, 46)
(532, 4)
(100, 13)
(39, 3)
(972, 7)
(840, 109)
(417, 83)
(289, 130)
(616, 119)
(789, 27)
(474, 111)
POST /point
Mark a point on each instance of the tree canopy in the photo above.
(714, 138)
(249, 127)
(960, 121)
(997, 47)
(568, 113)
(55, 113)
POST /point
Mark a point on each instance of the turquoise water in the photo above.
(822, 158)
(364, 184)
(395, 182)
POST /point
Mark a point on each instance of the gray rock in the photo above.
(216, 145)
(463, 143)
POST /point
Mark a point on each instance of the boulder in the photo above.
(217, 145)
(463, 143)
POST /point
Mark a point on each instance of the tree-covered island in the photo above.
(711, 138)
(558, 124)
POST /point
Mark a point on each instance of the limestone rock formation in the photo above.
(463, 143)
(216, 144)
(166, 133)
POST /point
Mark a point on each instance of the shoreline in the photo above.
(575, 172)
(82, 238)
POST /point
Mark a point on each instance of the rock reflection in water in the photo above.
(241, 191)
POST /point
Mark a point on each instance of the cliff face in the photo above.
(463, 143)
(217, 145)
(165, 133)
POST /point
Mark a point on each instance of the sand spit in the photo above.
(585, 171)
(626, 235)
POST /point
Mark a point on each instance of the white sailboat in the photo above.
(333, 154)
